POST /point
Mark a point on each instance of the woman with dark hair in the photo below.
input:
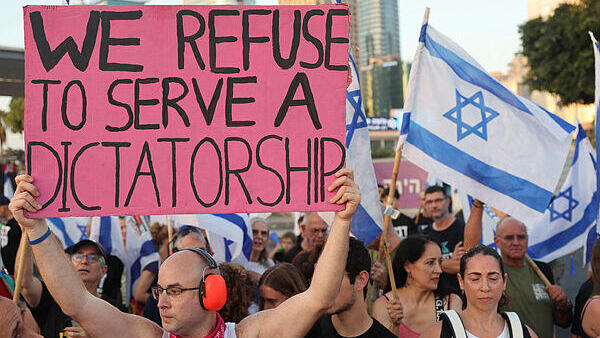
(482, 281)
(590, 314)
(279, 283)
(240, 292)
(420, 301)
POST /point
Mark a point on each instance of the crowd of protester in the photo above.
(318, 283)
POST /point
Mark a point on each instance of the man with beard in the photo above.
(187, 306)
(448, 232)
(348, 316)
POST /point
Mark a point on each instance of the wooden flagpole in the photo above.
(538, 271)
(19, 273)
(383, 247)
(170, 231)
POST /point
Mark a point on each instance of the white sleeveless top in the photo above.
(505, 333)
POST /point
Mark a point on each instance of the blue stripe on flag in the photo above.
(589, 243)
(105, 236)
(363, 226)
(147, 249)
(241, 223)
(562, 238)
(472, 74)
(515, 187)
(477, 77)
(60, 225)
(581, 135)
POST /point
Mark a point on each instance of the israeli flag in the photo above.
(367, 223)
(464, 127)
(489, 219)
(569, 218)
(138, 251)
(596, 47)
(69, 230)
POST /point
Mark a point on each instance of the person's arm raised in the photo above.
(97, 317)
(299, 313)
(473, 226)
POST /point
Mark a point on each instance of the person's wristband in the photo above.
(478, 205)
(40, 239)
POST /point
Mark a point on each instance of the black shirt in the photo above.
(10, 237)
(447, 239)
(50, 317)
(585, 292)
(324, 328)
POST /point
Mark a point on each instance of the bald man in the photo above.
(180, 309)
(538, 306)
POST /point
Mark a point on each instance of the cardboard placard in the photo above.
(184, 109)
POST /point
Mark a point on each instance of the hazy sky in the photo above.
(486, 29)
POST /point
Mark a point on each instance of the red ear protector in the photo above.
(213, 291)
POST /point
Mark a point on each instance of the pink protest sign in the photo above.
(184, 109)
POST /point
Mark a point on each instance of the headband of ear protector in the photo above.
(213, 291)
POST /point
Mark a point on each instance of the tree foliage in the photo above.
(13, 118)
(559, 51)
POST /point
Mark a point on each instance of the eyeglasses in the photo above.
(520, 237)
(172, 291)
(90, 258)
(262, 233)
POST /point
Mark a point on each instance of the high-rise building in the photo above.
(380, 63)
(379, 29)
(381, 86)
(354, 30)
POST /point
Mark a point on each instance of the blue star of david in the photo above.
(355, 99)
(568, 212)
(456, 115)
(82, 229)
(227, 251)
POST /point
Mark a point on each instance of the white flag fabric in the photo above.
(139, 251)
(367, 223)
(572, 214)
(467, 129)
(229, 235)
(69, 230)
(489, 219)
(9, 192)
(596, 47)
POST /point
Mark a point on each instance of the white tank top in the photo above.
(505, 333)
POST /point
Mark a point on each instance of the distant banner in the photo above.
(184, 109)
